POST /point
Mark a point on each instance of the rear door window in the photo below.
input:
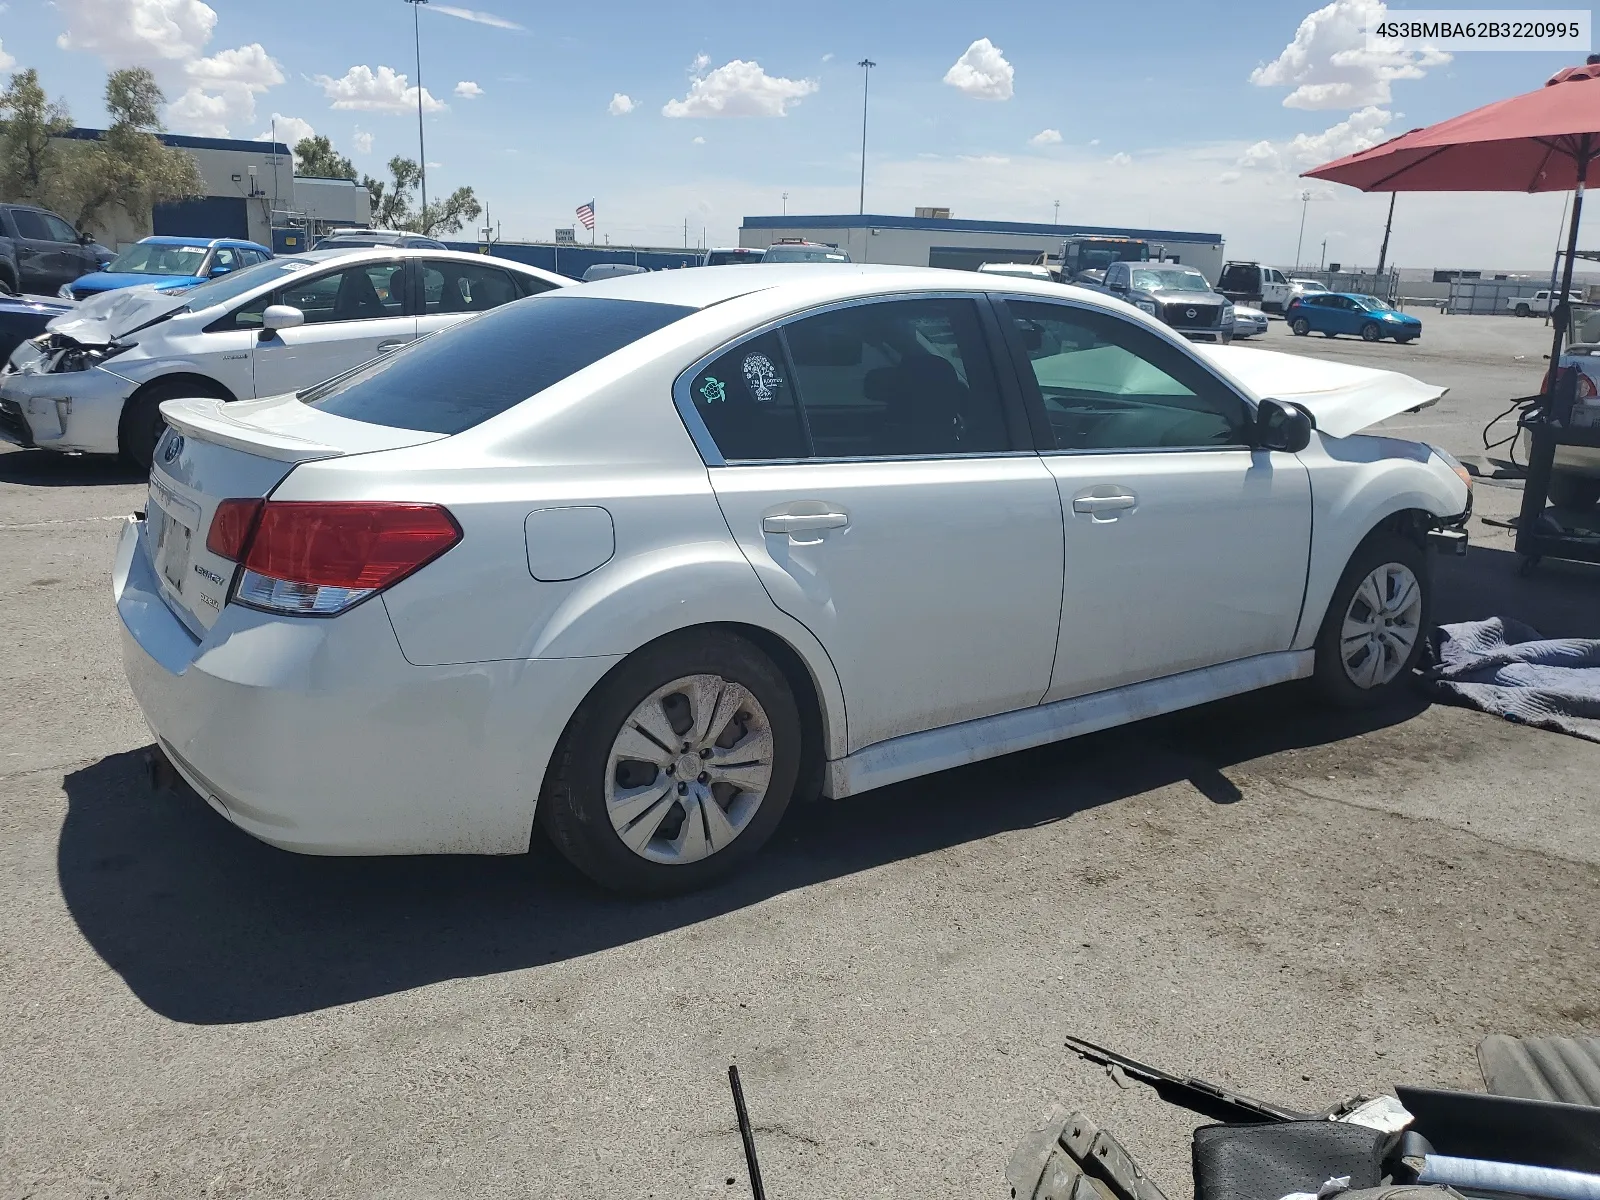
(30, 225)
(462, 376)
(456, 287)
(901, 377)
(748, 403)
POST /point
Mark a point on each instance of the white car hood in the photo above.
(100, 320)
(1344, 399)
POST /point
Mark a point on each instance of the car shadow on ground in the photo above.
(46, 468)
(208, 926)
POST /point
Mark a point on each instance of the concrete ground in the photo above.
(1292, 903)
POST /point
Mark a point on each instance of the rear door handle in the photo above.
(391, 344)
(1087, 502)
(792, 523)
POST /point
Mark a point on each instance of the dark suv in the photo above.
(1180, 296)
(46, 251)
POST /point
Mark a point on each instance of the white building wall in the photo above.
(912, 247)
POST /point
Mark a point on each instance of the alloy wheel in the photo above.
(688, 770)
(1381, 625)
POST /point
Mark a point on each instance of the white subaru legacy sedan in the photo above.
(642, 560)
(95, 380)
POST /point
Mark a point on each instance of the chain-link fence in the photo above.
(1484, 297)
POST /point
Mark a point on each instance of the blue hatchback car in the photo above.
(169, 263)
(1333, 313)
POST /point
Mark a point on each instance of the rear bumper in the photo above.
(317, 736)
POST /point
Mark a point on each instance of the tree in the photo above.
(130, 167)
(316, 158)
(28, 122)
(392, 204)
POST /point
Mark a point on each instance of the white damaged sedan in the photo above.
(642, 560)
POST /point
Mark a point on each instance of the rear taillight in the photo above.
(319, 558)
(231, 526)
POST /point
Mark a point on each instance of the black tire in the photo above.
(1371, 333)
(8, 285)
(1300, 327)
(1332, 679)
(141, 427)
(572, 804)
(1574, 491)
(1524, 311)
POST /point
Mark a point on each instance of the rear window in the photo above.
(462, 376)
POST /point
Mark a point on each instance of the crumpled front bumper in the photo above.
(70, 410)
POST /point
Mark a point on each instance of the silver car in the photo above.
(1247, 321)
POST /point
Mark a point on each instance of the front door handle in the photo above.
(1104, 504)
(391, 344)
(792, 523)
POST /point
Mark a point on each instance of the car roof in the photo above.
(170, 239)
(820, 283)
(385, 253)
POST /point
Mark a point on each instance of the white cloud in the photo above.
(222, 90)
(474, 15)
(984, 160)
(1229, 176)
(1119, 159)
(828, 57)
(468, 90)
(6, 61)
(699, 141)
(384, 90)
(738, 89)
(205, 114)
(1359, 131)
(248, 67)
(1094, 141)
(131, 32)
(1046, 137)
(1328, 64)
(621, 105)
(982, 72)
(291, 130)
(701, 62)
(362, 141)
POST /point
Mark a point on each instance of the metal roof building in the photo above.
(962, 244)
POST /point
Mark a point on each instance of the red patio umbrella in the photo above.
(1541, 141)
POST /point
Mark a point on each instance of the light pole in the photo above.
(866, 65)
(1058, 212)
(1305, 202)
(786, 204)
(422, 150)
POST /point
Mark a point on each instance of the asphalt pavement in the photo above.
(1289, 902)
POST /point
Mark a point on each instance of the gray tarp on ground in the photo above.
(1505, 667)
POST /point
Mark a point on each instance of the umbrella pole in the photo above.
(1542, 448)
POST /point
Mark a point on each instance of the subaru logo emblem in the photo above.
(1188, 312)
(174, 448)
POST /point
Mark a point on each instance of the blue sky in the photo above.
(1154, 116)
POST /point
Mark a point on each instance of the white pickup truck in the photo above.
(1538, 304)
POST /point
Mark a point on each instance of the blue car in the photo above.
(1333, 313)
(169, 263)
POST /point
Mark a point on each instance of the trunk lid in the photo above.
(214, 451)
(1344, 399)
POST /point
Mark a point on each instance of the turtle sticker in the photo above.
(761, 377)
(713, 390)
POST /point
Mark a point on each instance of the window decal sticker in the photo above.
(762, 378)
(713, 391)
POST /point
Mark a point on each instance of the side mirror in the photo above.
(84, 239)
(281, 316)
(220, 269)
(1281, 426)
(1119, 286)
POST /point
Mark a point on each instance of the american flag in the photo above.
(586, 215)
